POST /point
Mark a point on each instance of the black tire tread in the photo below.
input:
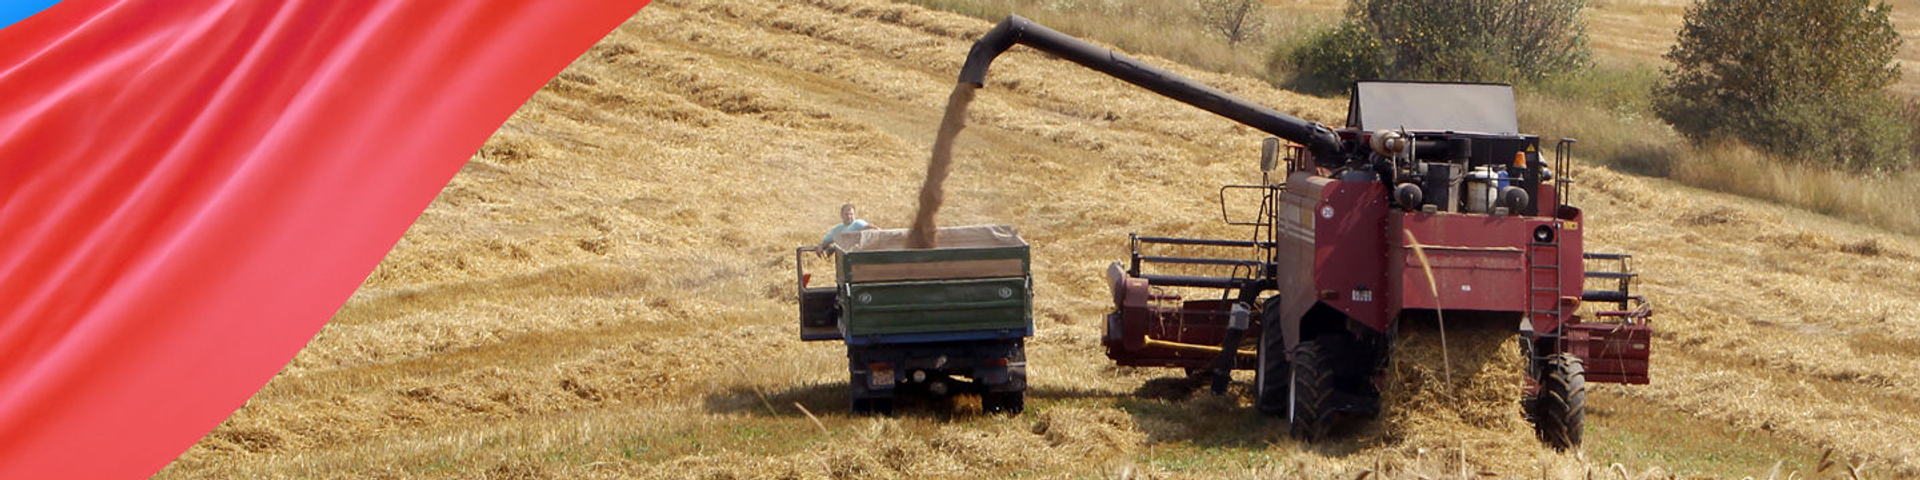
(1270, 391)
(1560, 412)
(1313, 385)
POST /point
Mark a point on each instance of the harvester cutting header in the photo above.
(1428, 200)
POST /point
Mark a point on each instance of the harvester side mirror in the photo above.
(1269, 154)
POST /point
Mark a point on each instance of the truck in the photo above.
(938, 322)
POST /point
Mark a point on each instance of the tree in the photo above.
(1478, 39)
(1804, 79)
(1235, 20)
(1454, 40)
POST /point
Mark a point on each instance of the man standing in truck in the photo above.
(848, 223)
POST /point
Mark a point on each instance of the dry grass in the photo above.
(1890, 201)
(1637, 32)
(1607, 108)
(1629, 36)
(605, 291)
(1634, 142)
(1170, 29)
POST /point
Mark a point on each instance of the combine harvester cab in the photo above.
(940, 321)
(1427, 201)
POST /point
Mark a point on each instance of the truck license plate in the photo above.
(880, 376)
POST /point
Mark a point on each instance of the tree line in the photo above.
(1805, 80)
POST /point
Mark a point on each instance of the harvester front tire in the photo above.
(1312, 413)
(1270, 379)
(1560, 412)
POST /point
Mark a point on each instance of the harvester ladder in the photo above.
(1543, 282)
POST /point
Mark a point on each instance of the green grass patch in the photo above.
(1640, 437)
(1189, 457)
(750, 435)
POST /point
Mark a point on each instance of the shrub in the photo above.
(1451, 40)
(1804, 79)
(1337, 56)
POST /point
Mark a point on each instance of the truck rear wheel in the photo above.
(1271, 381)
(1010, 403)
(865, 401)
(1310, 414)
(1559, 413)
(873, 406)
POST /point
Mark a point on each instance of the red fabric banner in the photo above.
(190, 189)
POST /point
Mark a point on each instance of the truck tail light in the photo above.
(996, 362)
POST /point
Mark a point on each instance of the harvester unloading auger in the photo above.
(1428, 198)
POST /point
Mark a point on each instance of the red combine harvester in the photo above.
(1424, 177)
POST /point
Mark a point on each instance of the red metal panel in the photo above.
(1198, 322)
(1614, 353)
(1573, 270)
(1545, 198)
(1349, 229)
(1477, 262)
(1294, 224)
(1626, 379)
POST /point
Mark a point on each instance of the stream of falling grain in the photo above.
(932, 192)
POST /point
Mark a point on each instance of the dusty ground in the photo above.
(605, 291)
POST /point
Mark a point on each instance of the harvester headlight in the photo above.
(1543, 234)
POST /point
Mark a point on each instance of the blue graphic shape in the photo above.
(12, 11)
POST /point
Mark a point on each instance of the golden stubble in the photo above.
(606, 290)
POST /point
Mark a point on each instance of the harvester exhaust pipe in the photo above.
(1319, 140)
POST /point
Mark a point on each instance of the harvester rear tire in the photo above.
(1270, 379)
(1313, 391)
(1560, 412)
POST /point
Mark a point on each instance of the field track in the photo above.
(606, 289)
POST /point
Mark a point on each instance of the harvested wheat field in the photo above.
(607, 291)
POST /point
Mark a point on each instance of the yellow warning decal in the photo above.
(1570, 225)
(1530, 148)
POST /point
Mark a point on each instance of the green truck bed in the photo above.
(977, 281)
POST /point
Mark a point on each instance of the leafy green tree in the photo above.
(1453, 40)
(1804, 79)
(1335, 57)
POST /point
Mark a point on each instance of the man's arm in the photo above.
(826, 243)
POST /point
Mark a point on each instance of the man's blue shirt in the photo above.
(856, 226)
